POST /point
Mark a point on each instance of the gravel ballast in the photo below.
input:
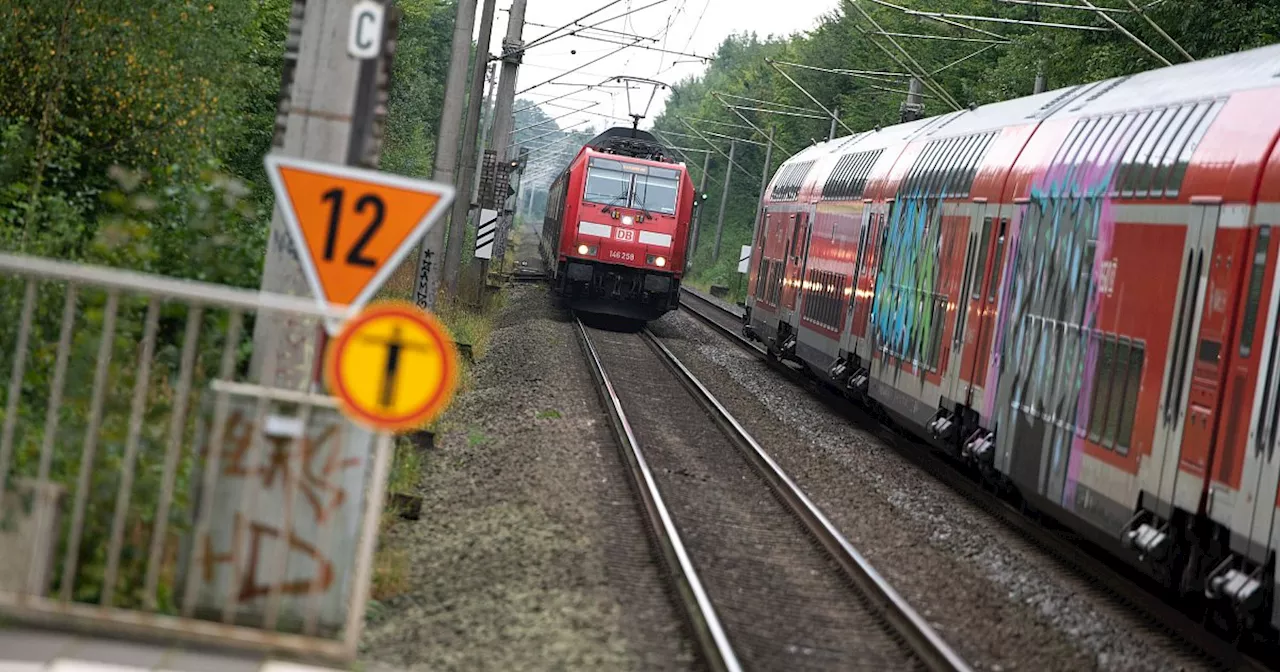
(1001, 602)
(531, 552)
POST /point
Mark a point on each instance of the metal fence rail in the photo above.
(149, 485)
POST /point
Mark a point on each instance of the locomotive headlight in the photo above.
(582, 249)
(660, 262)
(628, 220)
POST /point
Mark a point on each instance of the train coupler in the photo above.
(1243, 590)
(1148, 540)
(859, 382)
(980, 448)
(943, 425)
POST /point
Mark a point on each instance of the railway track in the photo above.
(1128, 587)
(765, 579)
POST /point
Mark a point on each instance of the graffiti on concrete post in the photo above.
(254, 523)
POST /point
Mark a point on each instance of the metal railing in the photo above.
(151, 487)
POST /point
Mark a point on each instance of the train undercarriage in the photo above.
(619, 291)
(1188, 555)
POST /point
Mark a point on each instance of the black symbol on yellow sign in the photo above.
(370, 370)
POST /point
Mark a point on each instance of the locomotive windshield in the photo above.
(611, 187)
(631, 185)
(656, 194)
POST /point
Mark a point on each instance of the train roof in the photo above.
(630, 142)
(1198, 80)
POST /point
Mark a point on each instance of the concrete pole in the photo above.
(427, 284)
(724, 200)
(486, 141)
(466, 176)
(764, 180)
(697, 216)
(320, 105)
(503, 121)
(1040, 80)
(913, 108)
(835, 115)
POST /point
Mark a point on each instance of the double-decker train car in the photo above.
(1076, 291)
(617, 226)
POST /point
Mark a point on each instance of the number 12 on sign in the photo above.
(352, 227)
(334, 196)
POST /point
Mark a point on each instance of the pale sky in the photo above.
(695, 27)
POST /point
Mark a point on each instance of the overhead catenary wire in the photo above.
(770, 102)
(876, 75)
(577, 31)
(921, 73)
(1136, 40)
(830, 114)
(704, 59)
(769, 136)
(554, 119)
(1059, 5)
(962, 59)
(548, 36)
(1142, 12)
(943, 38)
(713, 146)
(995, 19)
(570, 72)
(949, 22)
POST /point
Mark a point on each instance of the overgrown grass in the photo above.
(471, 322)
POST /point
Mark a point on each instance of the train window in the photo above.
(1060, 157)
(996, 260)
(962, 306)
(607, 186)
(1188, 150)
(1209, 352)
(959, 164)
(1119, 380)
(1102, 375)
(1075, 155)
(1260, 253)
(1116, 143)
(656, 194)
(1137, 131)
(972, 160)
(1106, 132)
(979, 271)
(1133, 388)
(1143, 181)
(1163, 170)
(1135, 169)
(946, 167)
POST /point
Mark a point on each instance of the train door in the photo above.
(982, 298)
(1180, 365)
(756, 272)
(859, 307)
(1254, 510)
(794, 263)
(970, 292)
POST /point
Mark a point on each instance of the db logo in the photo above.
(626, 235)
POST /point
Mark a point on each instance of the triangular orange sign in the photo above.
(352, 227)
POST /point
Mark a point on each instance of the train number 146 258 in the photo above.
(624, 256)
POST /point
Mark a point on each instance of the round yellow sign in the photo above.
(393, 368)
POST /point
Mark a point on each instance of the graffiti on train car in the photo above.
(1047, 335)
(904, 311)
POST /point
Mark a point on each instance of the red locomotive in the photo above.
(617, 226)
(1075, 291)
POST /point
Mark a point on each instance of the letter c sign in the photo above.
(364, 40)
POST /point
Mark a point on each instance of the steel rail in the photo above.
(716, 650)
(919, 636)
(1105, 577)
